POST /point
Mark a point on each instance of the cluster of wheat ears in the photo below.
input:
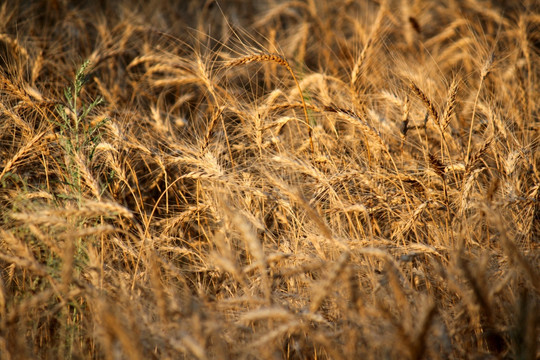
(315, 179)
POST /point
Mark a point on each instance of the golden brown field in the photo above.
(270, 179)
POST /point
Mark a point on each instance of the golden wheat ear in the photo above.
(278, 59)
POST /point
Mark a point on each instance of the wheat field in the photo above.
(269, 179)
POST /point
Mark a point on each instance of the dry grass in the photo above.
(356, 180)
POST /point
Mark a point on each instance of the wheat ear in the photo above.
(429, 105)
(355, 75)
(283, 62)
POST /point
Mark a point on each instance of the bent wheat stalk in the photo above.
(283, 62)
